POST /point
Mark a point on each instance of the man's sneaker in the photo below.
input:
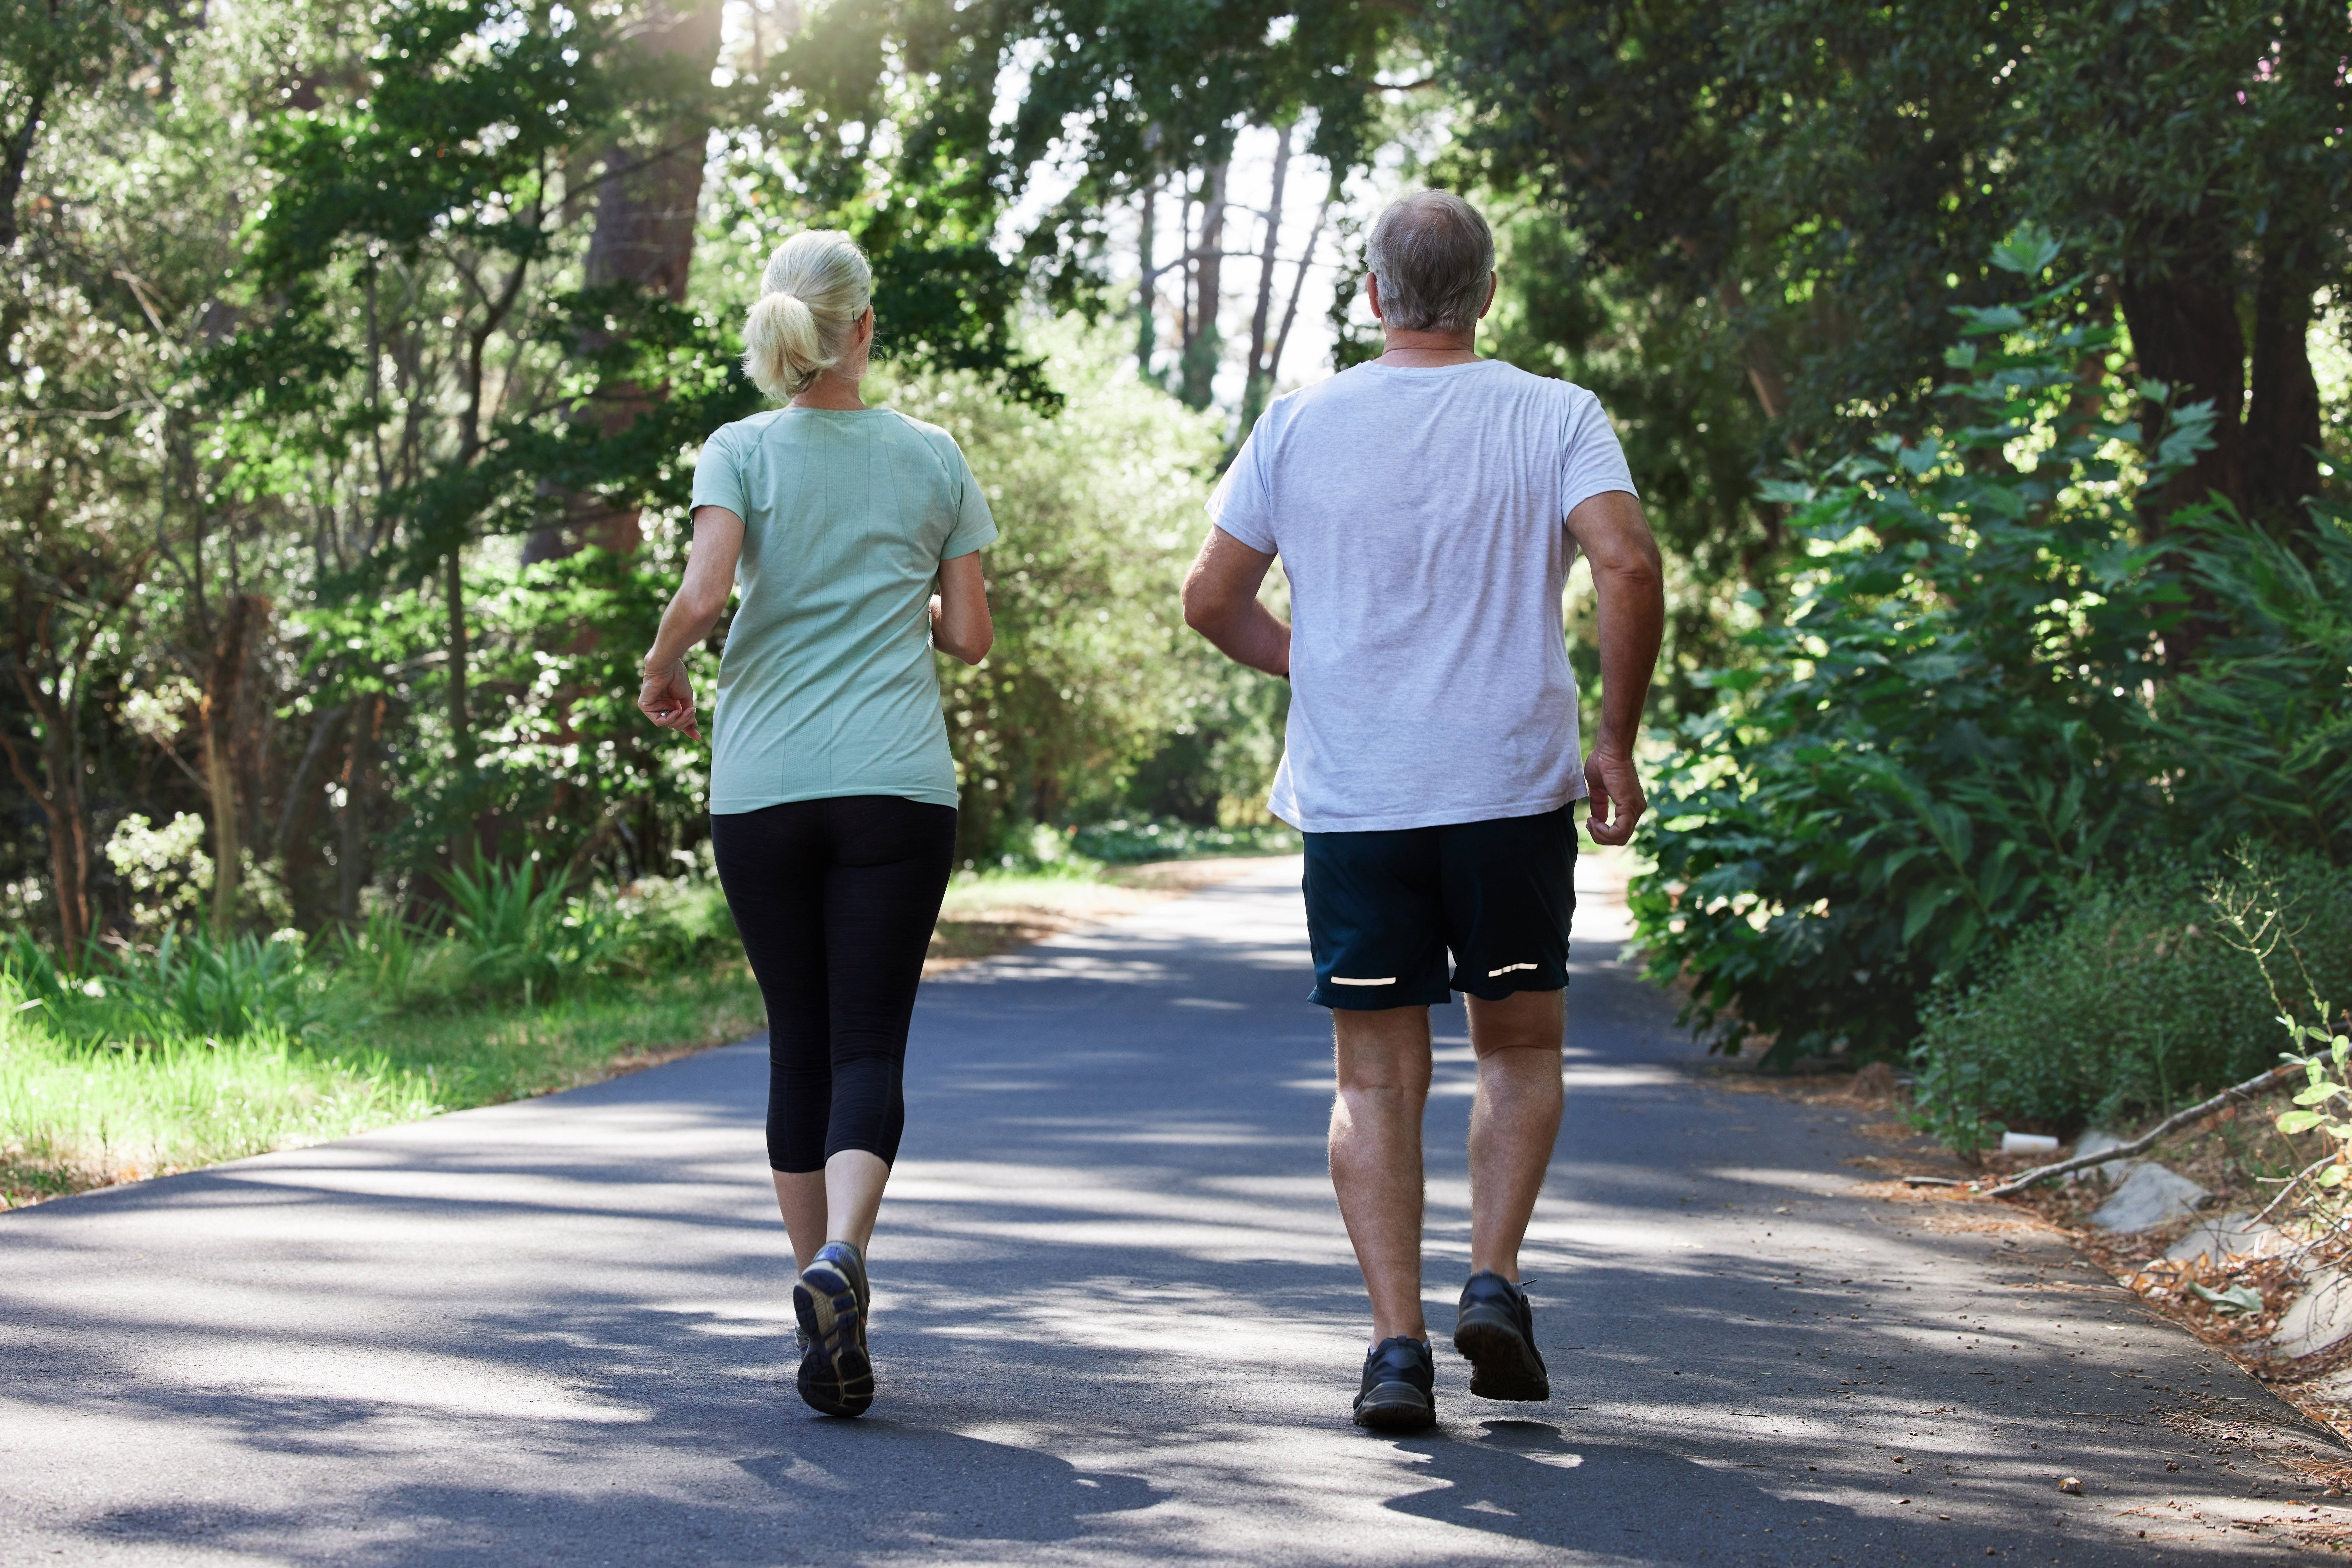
(1400, 1386)
(830, 1301)
(1496, 1331)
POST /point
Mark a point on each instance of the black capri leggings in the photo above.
(836, 900)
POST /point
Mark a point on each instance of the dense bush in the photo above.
(1970, 710)
(2134, 1000)
(1938, 739)
(2262, 724)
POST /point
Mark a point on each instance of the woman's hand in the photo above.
(668, 698)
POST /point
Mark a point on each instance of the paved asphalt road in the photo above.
(1117, 1321)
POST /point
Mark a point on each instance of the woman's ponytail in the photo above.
(816, 287)
(782, 348)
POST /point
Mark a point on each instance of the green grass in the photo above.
(190, 1053)
(74, 1115)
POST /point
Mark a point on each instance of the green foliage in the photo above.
(2263, 722)
(2134, 1000)
(519, 937)
(1943, 737)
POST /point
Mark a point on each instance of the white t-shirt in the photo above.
(1420, 514)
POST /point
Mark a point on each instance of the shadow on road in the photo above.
(1533, 1481)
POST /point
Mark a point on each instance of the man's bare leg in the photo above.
(1382, 1059)
(1514, 1121)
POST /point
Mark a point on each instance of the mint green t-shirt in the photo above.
(828, 686)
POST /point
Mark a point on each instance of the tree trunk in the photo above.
(461, 738)
(1147, 287)
(2282, 416)
(60, 798)
(1763, 363)
(352, 857)
(1206, 346)
(13, 158)
(1261, 373)
(1298, 278)
(646, 203)
(2185, 334)
(291, 809)
(217, 714)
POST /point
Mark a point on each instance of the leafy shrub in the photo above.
(185, 987)
(387, 959)
(1968, 713)
(518, 938)
(2263, 723)
(1944, 736)
(2135, 1000)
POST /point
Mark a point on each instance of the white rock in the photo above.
(2321, 1316)
(2147, 1197)
(2236, 1233)
(2096, 1141)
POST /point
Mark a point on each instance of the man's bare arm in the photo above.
(1629, 584)
(1220, 604)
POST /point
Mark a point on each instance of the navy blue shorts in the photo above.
(1384, 910)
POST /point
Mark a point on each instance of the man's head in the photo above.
(1433, 258)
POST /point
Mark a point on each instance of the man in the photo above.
(1426, 507)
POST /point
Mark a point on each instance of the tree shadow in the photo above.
(1531, 1480)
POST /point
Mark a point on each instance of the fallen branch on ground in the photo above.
(2155, 1135)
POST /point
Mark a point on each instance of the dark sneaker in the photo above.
(1400, 1386)
(1496, 1331)
(830, 1301)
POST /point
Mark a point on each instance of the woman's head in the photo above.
(816, 289)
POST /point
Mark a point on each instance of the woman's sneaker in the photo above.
(830, 1301)
(1496, 1331)
(1400, 1386)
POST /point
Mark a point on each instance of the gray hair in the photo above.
(1433, 254)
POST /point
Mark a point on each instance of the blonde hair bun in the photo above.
(815, 289)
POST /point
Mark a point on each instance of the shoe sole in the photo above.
(836, 1377)
(1503, 1365)
(1396, 1407)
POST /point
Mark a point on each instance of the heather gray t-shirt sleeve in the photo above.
(1242, 503)
(718, 481)
(1594, 460)
(975, 528)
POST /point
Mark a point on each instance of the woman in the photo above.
(832, 793)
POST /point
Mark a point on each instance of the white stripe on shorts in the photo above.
(1508, 967)
(1383, 980)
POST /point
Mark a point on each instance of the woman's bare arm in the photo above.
(961, 625)
(668, 697)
